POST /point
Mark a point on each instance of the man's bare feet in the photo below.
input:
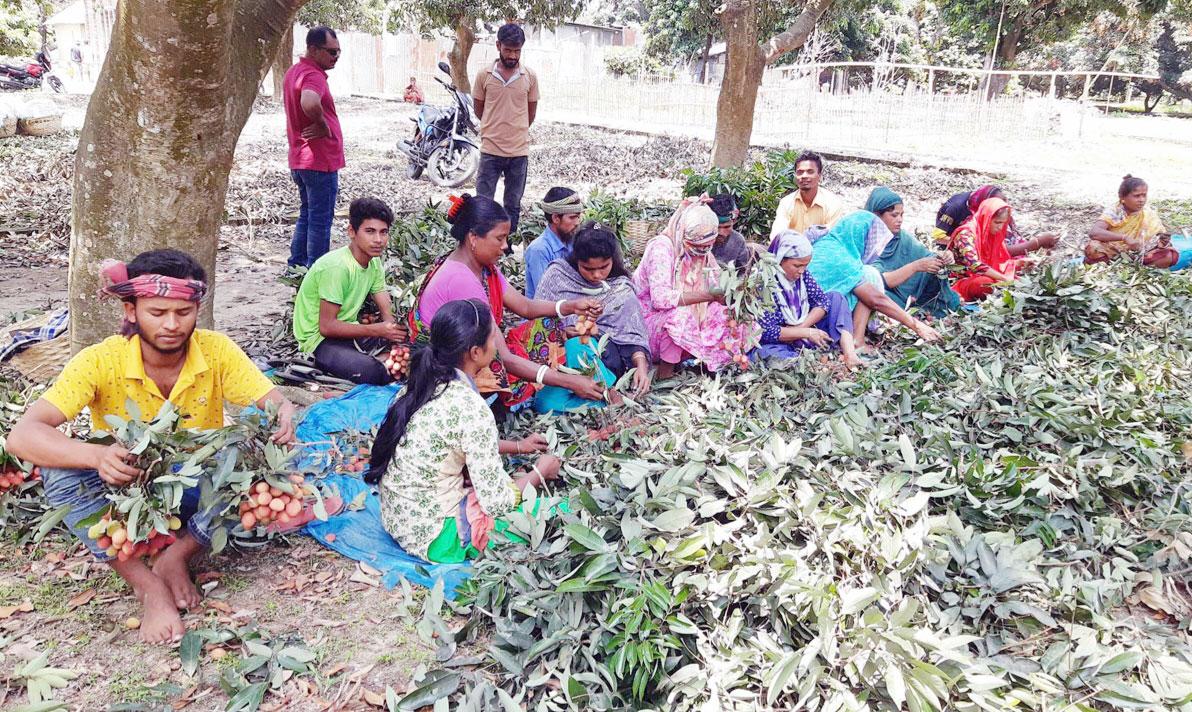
(171, 567)
(160, 622)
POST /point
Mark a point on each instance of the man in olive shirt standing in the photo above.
(506, 100)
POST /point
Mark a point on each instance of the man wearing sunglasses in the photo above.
(316, 145)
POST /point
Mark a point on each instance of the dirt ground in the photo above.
(365, 637)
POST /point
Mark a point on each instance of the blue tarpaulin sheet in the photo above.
(359, 534)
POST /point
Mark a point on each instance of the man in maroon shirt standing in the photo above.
(316, 145)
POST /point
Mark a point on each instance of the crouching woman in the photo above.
(437, 457)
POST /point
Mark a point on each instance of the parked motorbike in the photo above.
(31, 76)
(445, 143)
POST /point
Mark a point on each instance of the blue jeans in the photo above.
(514, 171)
(84, 491)
(312, 233)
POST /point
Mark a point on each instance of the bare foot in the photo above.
(852, 364)
(171, 568)
(160, 621)
(665, 370)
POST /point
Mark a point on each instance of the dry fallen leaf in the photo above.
(81, 599)
(10, 611)
(372, 698)
(219, 605)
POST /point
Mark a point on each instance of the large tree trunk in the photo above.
(744, 64)
(282, 62)
(152, 167)
(743, 67)
(465, 39)
(1007, 53)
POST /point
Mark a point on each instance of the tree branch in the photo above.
(795, 35)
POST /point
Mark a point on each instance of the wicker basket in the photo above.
(42, 361)
(40, 125)
(639, 232)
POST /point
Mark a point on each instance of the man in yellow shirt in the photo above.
(810, 204)
(159, 355)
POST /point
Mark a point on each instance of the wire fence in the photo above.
(909, 111)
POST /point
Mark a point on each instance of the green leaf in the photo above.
(248, 699)
(429, 693)
(585, 537)
(188, 650)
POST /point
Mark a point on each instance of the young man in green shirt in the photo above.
(328, 303)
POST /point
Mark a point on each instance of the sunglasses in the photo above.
(332, 52)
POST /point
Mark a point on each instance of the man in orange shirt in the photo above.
(810, 204)
(505, 96)
(159, 355)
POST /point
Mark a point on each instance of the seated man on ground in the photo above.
(327, 308)
(1126, 226)
(804, 315)
(810, 204)
(961, 206)
(437, 457)
(562, 208)
(730, 246)
(595, 265)
(159, 352)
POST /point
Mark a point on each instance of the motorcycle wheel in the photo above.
(55, 84)
(453, 165)
(413, 171)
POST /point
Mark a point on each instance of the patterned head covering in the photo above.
(146, 285)
(791, 297)
(980, 195)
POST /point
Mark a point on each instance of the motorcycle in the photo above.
(13, 78)
(445, 143)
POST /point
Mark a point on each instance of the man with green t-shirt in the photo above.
(329, 300)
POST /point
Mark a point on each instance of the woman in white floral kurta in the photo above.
(437, 457)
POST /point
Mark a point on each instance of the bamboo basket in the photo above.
(42, 361)
(639, 232)
(40, 125)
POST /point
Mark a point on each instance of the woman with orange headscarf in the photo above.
(980, 247)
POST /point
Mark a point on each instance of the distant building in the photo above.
(582, 32)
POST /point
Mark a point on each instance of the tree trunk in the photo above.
(1007, 53)
(465, 39)
(282, 62)
(743, 67)
(703, 62)
(152, 167)
(744, 64)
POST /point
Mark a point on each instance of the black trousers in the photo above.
(514, 171)
(353, 359)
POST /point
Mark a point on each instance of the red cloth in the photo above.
(990, 245)
(320, 154)
(974, 288)
(978, 196)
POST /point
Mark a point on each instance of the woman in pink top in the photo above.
(527, 356)
(677, 284)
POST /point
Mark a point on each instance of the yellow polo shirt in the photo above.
(794, 214)
(105, 375)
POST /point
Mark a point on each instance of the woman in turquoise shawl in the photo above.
(844, 261)
(910, 270)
